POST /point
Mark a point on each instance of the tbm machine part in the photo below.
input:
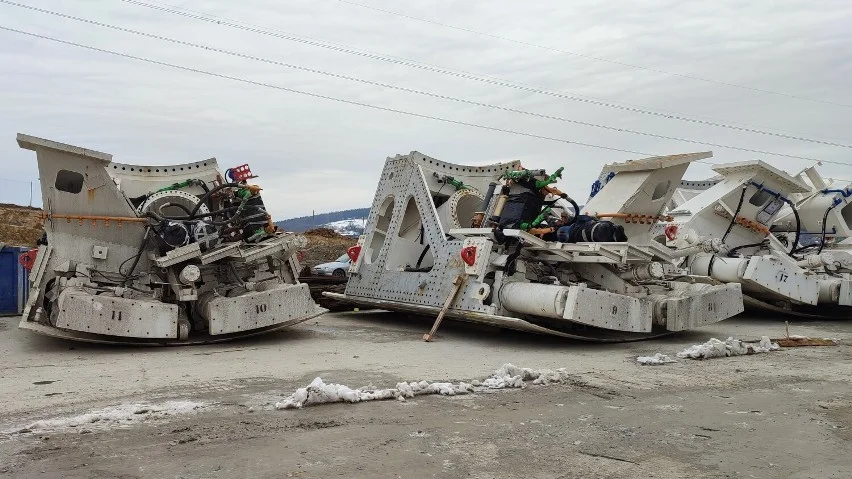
(174, 254)
(489, 244)
(781, 237)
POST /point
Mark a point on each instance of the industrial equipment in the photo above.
(173, 254)
(493, 247)
(776, 235)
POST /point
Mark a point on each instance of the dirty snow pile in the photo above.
(656, 360)
(114, 416)
(508, 376)
(318, 392)
(511, 376)
(730, 347)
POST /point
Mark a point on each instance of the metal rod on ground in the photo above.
(457, 283)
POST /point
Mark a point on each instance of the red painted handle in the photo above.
(27, 260)
(353, 253)
(468, 255)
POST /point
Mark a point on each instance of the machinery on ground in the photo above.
(172, 254)
(486, 244)
(778, 236)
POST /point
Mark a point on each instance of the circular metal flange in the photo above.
(461, 207)
(175, 197)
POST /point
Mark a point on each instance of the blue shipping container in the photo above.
(14, 281)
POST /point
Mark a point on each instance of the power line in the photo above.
(350, 102)
(590, 57)
(836, 179)
(404, 89)
(221, 21)
(317, 95)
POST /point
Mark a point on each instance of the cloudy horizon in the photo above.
(319, 155)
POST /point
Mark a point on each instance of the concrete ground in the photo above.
(207, 411)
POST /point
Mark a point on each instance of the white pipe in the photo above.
(726, 270)
(816, 260)
(689, 251)
(533, 298)
(644, 272)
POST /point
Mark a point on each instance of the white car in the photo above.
(338, 268)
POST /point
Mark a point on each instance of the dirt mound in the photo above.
(324, 247)
(323, 232)
(19, 225)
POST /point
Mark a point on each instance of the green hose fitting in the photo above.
(550, 179)
(177, 186)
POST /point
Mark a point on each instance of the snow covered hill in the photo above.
(337, 219)
(353, 227)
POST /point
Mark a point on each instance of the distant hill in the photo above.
(335, 219)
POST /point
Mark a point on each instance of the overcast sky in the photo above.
(314, 154)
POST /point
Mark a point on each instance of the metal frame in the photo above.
(404, 225)
(93, 229)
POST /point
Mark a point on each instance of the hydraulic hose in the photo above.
(207, 195)
(422, 255)
(576, 210)
(736, 212)
(138, 256)
(743, 246)
(825, 225)
(798, 226)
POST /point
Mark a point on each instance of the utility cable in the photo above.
(317, 95)
(591, 57)
(221, 21)
(405, 89)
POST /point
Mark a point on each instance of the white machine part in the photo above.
(132, 251)
(412, 249)
(743, 212)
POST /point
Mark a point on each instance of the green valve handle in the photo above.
(522, 174)
(449, 180)
(456, 183)
(537, 221)
(550, 179)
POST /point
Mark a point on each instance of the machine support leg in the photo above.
(457, 284)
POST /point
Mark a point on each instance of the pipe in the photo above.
(644, 272)
(816, 260)
(479, 216)
(846, 193)
(534, 298)
(488, 195)
(712, 245)
(727, 270)
(498, 207)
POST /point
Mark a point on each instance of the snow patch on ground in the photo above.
(123, 415)
(715, 348)
(656, 360)
(508, 376)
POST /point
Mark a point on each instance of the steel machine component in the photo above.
(157, 254)
(760, 217)
(501, 238)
